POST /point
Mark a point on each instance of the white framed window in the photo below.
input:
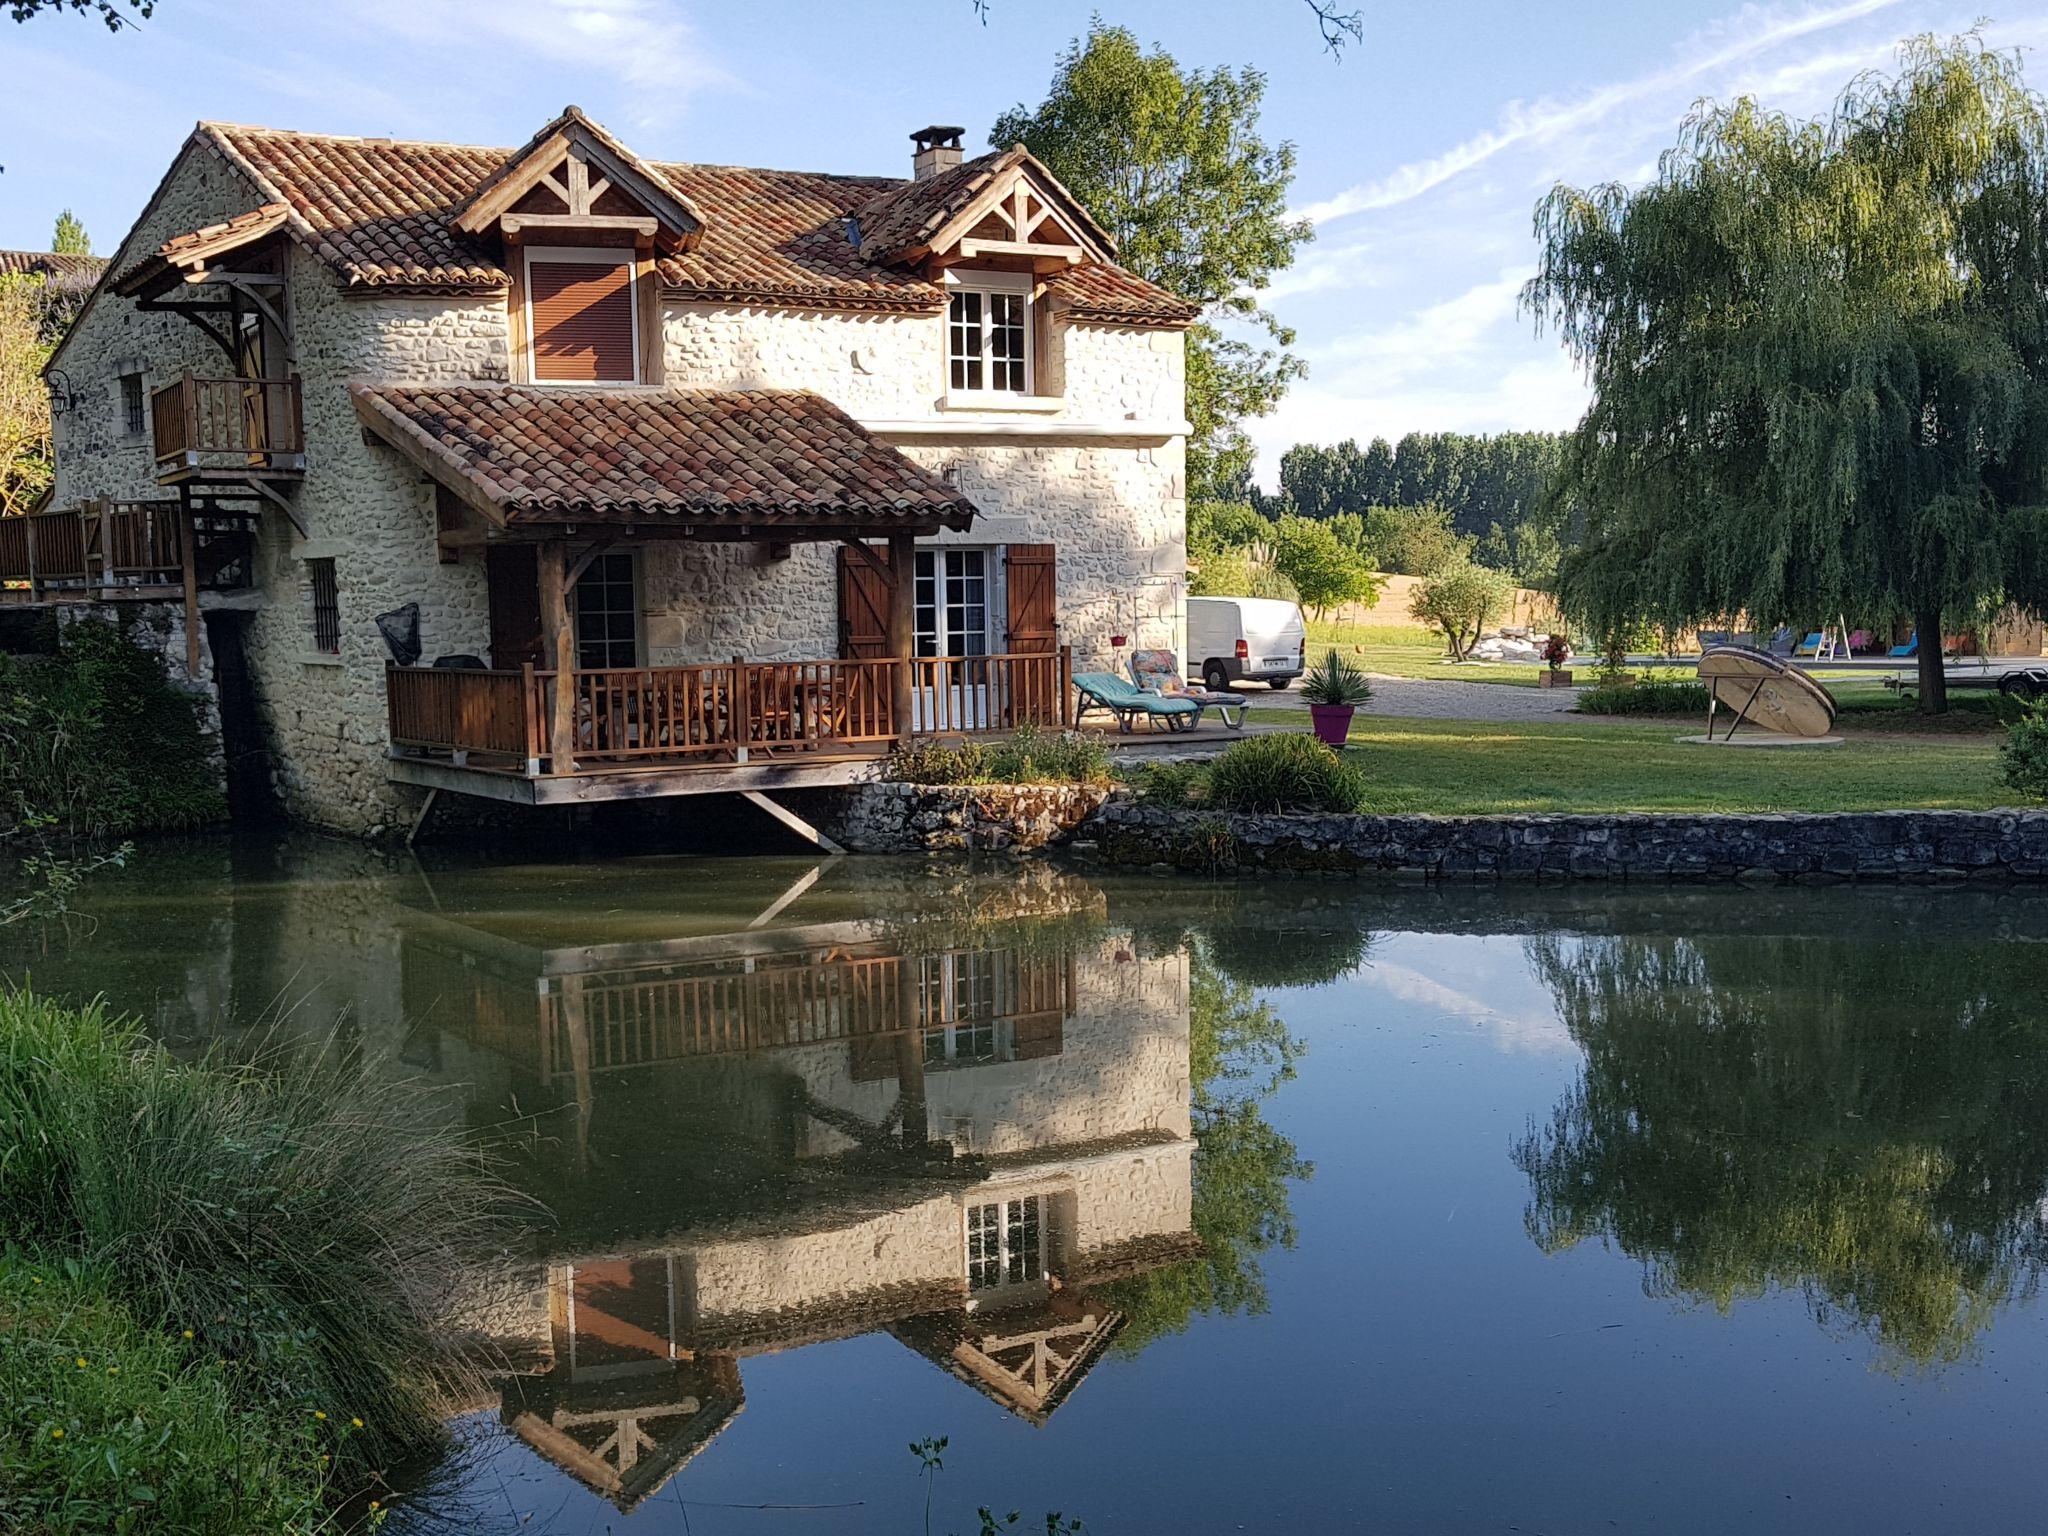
(1005, 1243)
(607, 602)
(954, 601)
(958, 1004)
(582, 315)
(988, 334)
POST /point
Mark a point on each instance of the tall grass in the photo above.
(305, 1219)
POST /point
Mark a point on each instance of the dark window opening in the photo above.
(326, 607)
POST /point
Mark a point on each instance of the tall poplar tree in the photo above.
(1820, 360)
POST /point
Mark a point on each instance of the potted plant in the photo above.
(1334, 689)
(1557, 650)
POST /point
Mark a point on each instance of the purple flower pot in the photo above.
(1333, 722)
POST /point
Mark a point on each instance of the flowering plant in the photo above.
(1557, 650)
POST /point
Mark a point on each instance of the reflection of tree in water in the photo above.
(1864, 1121)
(1305, 954)
(1239, 1052)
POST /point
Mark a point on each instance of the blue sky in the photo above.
(1422, 153)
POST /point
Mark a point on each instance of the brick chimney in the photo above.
(938, 149)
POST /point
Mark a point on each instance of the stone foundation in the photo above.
(888, 817)
(1915, 846)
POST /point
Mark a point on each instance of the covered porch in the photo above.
(564, 478)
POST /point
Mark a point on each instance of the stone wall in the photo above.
(1918, 846)
(888, 817)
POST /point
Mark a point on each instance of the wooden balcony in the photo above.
(228, 429)
(118, 550)
(701, 729)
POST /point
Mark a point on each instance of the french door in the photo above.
(954, 599)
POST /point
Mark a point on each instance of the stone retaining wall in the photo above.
(1916, 846)
(888, 817)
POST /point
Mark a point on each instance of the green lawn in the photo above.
(1464, 767)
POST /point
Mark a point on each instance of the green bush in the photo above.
(113, 1422)
(307, 1220)
(1030, 756)
(1645, 697)
(98, 740)
(2024, 754)
(1289, 772)
(1174, 784)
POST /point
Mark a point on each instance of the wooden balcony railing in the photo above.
(735, 711)
(228, 425)
(111, 546)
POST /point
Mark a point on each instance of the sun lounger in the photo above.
(1810, 646)
(1910, 648)
(1159, 672)
(1129, 702)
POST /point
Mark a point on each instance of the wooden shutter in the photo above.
(863, 609)
(1033, 598)
(582, 320)
(512, 579)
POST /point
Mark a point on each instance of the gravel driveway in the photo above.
(1419, 698)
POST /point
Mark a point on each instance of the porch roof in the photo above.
(778, 463)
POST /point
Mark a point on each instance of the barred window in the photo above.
(326, 607)
(132, 404)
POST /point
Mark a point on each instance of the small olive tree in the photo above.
(1461, 599)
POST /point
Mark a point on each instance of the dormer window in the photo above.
(988, 333)
(582, 316)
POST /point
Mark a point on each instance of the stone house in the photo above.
(689, 477)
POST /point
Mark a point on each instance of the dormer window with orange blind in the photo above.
(582, 316)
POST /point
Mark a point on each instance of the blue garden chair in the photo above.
(1129, 702)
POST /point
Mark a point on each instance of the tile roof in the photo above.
(209, 240)
(904, 219)
(379, 211)
(739, 458)
(1110, 295)
(63, 271)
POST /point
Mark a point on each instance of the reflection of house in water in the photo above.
(787, 1136)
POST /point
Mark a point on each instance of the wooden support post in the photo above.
(106, 521)
(558, 629)
(916, 1121)
(902, 628)
(189, 568)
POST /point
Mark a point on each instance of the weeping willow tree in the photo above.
(1858, 1121)
(1818, 353)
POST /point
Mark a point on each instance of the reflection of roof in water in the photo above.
(1028, 1358)
(625, 1438)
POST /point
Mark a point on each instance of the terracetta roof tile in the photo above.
(738, 458)
(379, 211)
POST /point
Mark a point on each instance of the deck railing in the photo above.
(105, 544)
(735, 711)
(213, 423)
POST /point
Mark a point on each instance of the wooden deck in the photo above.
(650, 732)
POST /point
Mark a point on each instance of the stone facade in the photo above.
(1914, 846)
(1101, 478)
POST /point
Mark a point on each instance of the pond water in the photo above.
(1183, 1206)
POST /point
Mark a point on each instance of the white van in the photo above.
(1246, 639)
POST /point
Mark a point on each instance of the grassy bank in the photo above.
(268, 1245)
(1466, 767)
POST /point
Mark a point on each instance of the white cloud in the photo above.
(644, 49)
(1753, 30)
